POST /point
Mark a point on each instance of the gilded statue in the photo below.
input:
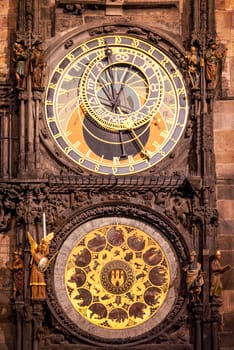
(216, 271)
(39, 262)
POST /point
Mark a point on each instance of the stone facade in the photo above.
(55, 19)
(8, 19)
(224, 151)
(8, 16)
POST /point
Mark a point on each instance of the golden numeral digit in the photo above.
(131, 168)
(116, 160)
(97, 167)
(114, 170)
(59, 70)
(162, 153)
(118, 40)
(135, 43)
(101, 42)
(81, 160)
(57, 136)
(49, 103)
(84, 47)
(67, 149)
(181, 91)
(71, 57)
(52, 86)
(51, 119)
(151, 50)
(164, 61)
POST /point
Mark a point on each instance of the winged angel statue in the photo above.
(39, 264)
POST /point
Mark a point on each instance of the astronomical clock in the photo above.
(116, 106)
(113, 148)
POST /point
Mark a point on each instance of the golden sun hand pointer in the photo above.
(129, 124)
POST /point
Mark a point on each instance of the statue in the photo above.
(39, 262)
(213, 57)
(17, 268)
(216, 271)
(194, 63)
(178, 208)
(194, 277)
(20, 57)
(38, 65)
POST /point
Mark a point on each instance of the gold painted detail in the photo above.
(117, 276)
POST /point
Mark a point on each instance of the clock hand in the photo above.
(108, 53)
(123, 151)
(129, 124)
(108, 103)
(116, 102)
(105, 90)
(144, 151)
(108, 83)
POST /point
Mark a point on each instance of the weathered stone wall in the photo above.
(223, 137)
(8, 19)
(6, 339)
(168, 19)
(225, 34)
(224, 153)
(8, 12)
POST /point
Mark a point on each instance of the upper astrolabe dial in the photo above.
(116, 105)
(122, 88)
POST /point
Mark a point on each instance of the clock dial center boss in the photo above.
(116, 105)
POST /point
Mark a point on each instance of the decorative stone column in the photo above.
(215, 321)
(38, 317)
(19, 308)
(196, 311)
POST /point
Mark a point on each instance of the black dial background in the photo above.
(103, 138)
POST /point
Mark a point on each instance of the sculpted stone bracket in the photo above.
(6, 95)
(60, 197)
(112, 7)
(112, 347)
(128, 3)
(133, 182)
